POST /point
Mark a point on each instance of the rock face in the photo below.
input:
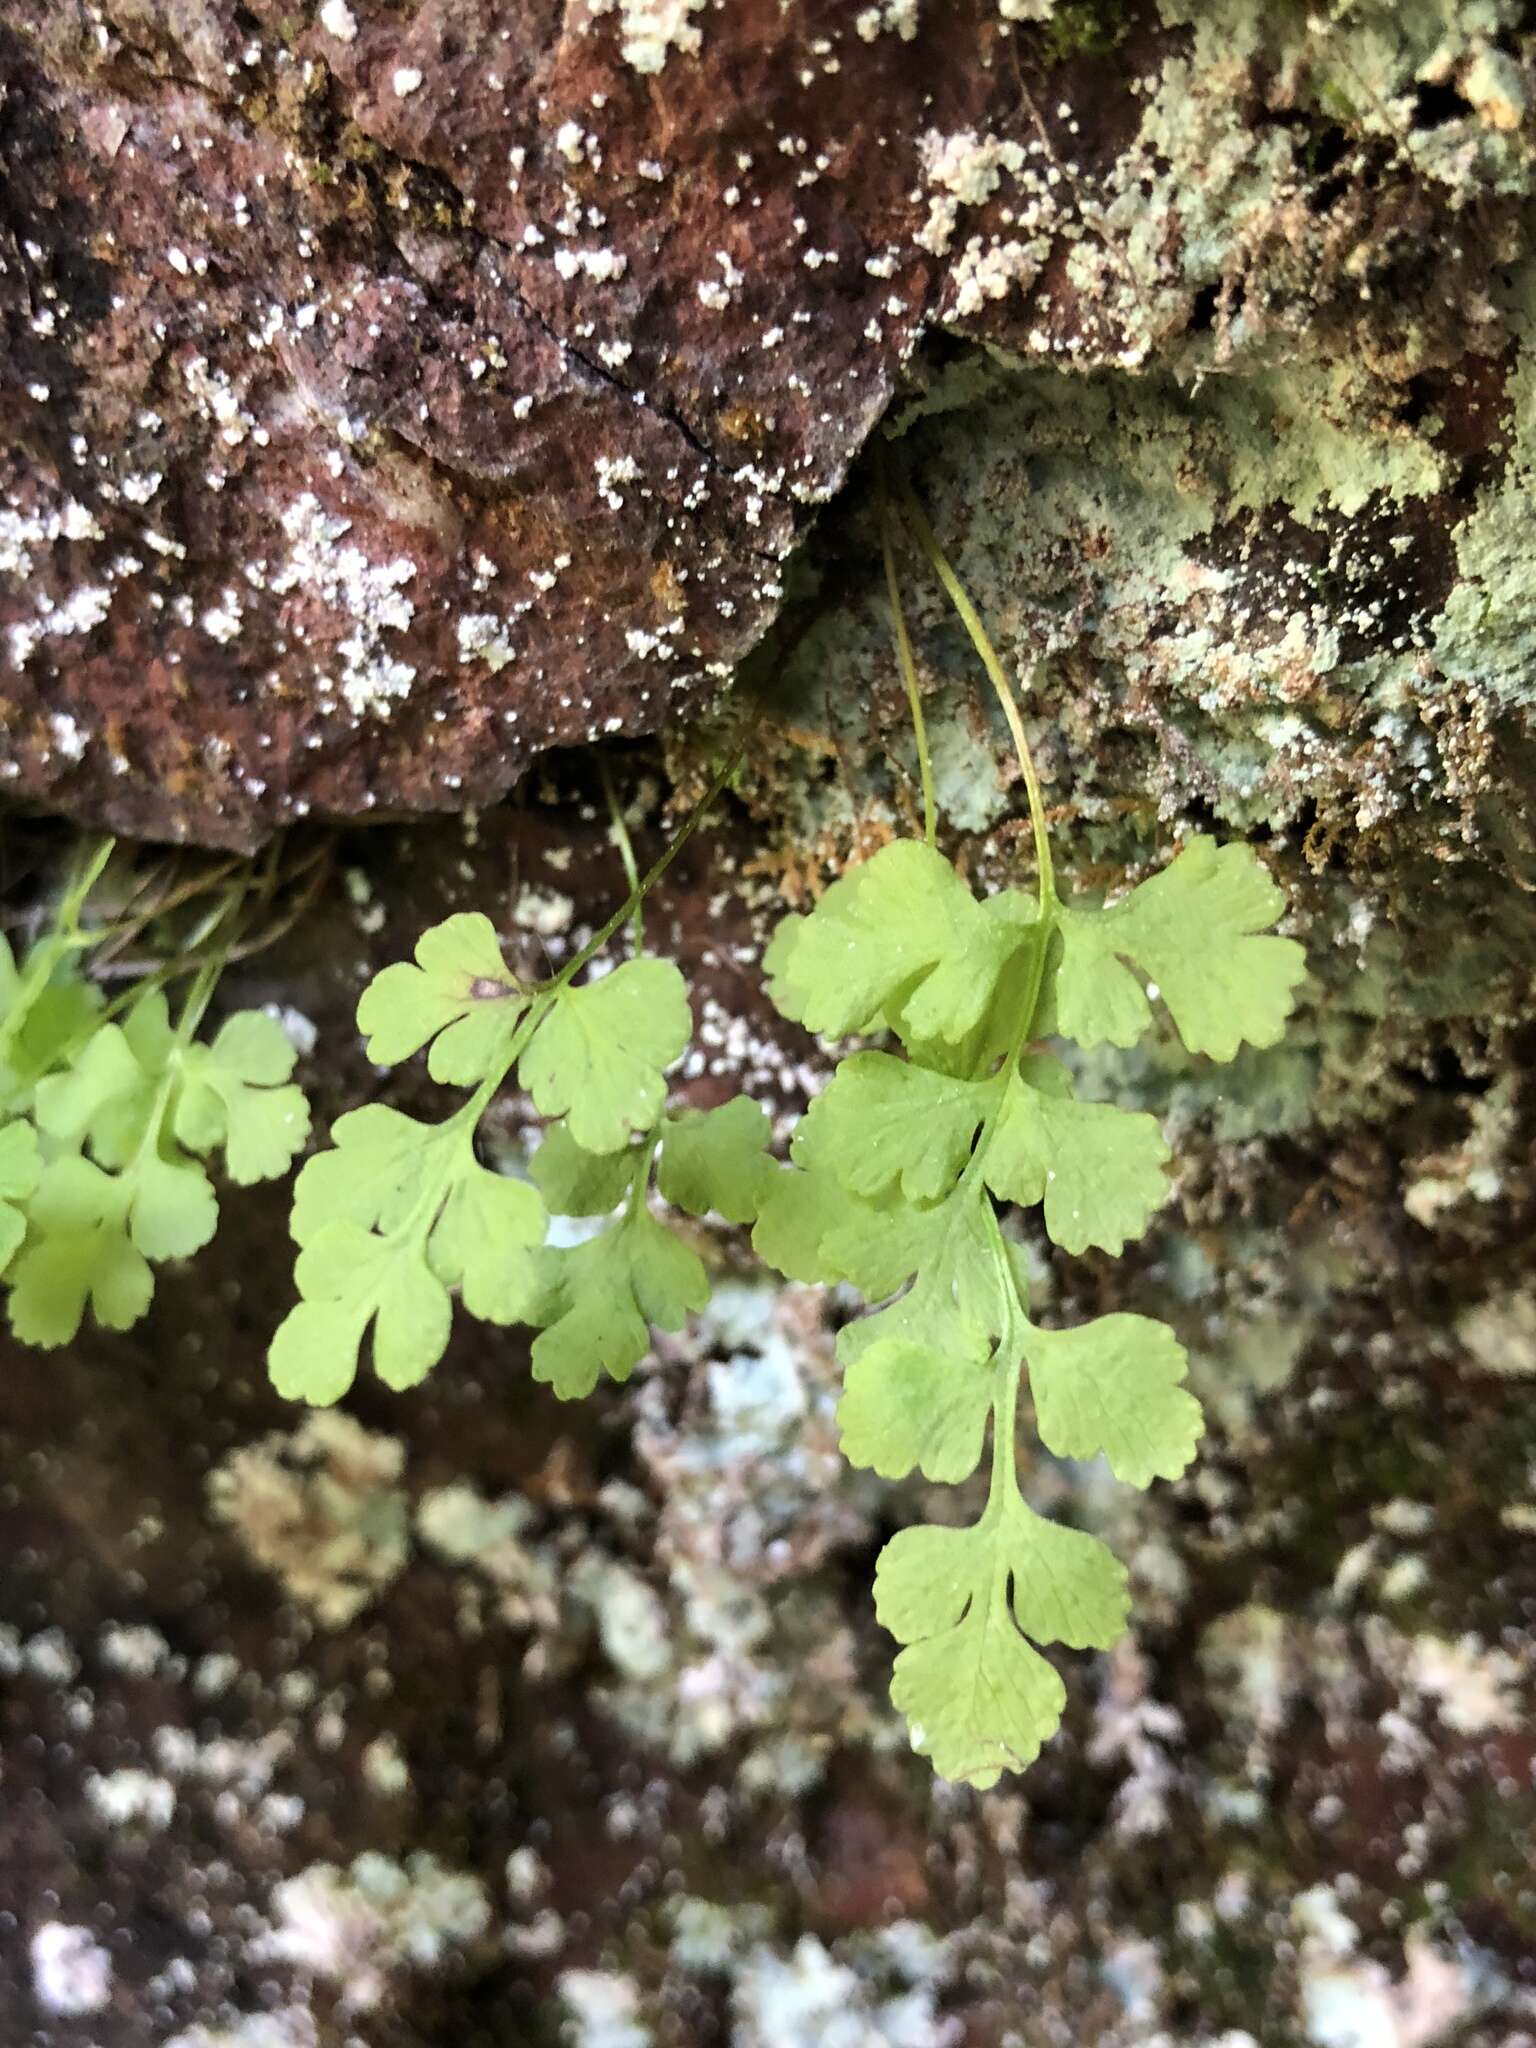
(464, 1715)
(391, 395)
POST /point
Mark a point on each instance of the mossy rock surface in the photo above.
(1224, 408)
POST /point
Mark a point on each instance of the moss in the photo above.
(1489, 1870)
(1083, 28)
(1246, 588)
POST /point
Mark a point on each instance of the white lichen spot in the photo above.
(407, 79)
(357, 1927)
(650, 30)
(338, 20)
(221, 621)
(527, 1876)
(71, 1971)
(571, 141)
(1472, 1686)
(1132, 1727)
(139, 487)
(648, 645)
(385, 1769)
(465, 1529)
(215, 1674)
(613, 470)
(631, 1618)
(482, 637)
(1351, 2001)
(603, 266)
(289, 2027)
(990, 270)
(300, 1031)
(367, 594)
(544, 911)
(896, 16)
(604, 2010)
(1494, 84)
(1500, 1334)
(68, 739)
(137, 1650)
(321, 1509)
(964, 168)
(809, 1998)
(716, 293)
(80, 613)
(132, 1798)
(48, 1656)
(214, 392)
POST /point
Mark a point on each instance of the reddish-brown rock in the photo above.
(385, 398)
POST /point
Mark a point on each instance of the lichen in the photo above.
(596, 1737)
(357, 1927)
(71, 1971)
(1485, 638)
(319, 1507)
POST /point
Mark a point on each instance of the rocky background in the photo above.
(396, 390)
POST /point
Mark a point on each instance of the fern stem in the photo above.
(1006, 1368)
(212, 953)
(640, 1184)
(108, 966)
(469, 1113)
(84, 882)
(198, 998)
(970, 618)
(1005, 1410)
(905, 662)
(621, 839)
(156, 978)
(653, 873)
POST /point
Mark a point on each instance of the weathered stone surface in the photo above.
(1273, 534)
(389, 396)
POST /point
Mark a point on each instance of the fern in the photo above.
(896, 1177)
(897, 1183)
(898, 1171)
(106, 1120)
(397, 1216)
